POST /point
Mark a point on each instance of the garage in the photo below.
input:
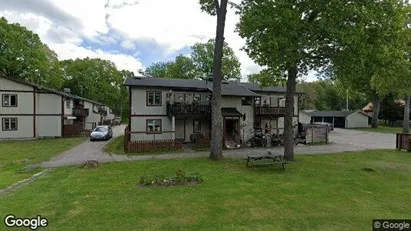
(342, 119)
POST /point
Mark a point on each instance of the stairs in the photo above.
(230, 143)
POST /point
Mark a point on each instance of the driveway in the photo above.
(342, 140)
(85, 151)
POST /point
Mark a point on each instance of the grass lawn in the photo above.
(323, 192)
(15, 155)
(382, 129)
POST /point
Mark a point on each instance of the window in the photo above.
(196, 97)
(246, 100)
(9, 124)
(9, 100)
(68, 103)
(196, 126)
(154, 98)
(153, 125)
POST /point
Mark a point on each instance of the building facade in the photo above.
(30, 111)
(176, 109)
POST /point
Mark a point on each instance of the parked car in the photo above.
(101, 133)
(330, 126)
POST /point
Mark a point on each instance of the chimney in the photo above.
(67, 90)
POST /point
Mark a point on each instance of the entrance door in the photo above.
(180, 131)
(231, 129)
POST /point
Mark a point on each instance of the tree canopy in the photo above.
(198, 65)
(25, 57)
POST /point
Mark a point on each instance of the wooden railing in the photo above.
(269, 111)
(403, 142)
(149, 145)
(81, 112)
(191, 110)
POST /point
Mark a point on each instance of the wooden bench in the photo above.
(277, 159)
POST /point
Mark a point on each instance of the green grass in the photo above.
(382, 129)
(15, 155)
(319, 192)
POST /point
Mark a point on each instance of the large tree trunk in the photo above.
(376, 111)
(216, 118)
(406, 125)
(289, 114)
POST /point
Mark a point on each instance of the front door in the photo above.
(180, 130)
(231, 129)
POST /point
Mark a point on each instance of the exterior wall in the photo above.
(48, 119)
(304, 118)
(139, 107)
(281, 123)
(109, 116)
(24, 128)
(188, 125)
(356, 120)
(138, 124)
(93, 117)
(247, 125)
(23, 112)
(68, 110)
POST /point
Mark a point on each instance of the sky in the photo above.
(131, 33)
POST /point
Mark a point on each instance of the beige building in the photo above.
(177, 109)
(30, 111)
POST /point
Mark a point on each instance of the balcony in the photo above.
(269, 111)
(184, 110)
(80, 112)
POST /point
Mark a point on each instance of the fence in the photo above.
(403, 142)
(149, 145)
(202, 143)
(77, 129)
(317, 133)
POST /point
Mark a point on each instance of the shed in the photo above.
(305, 116)
(342, 119)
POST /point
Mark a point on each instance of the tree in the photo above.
(159, 69)
(95, 79)
(25, 57)
(202, 56)
(182, 68)
(267, 78)
(370, 53)
(289, 37)
(391, 109)
(124, 101)
(214, 7)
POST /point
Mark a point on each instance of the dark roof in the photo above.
(228, 111)
(256, 88)
(227, 89)
(47, 89)
(334, 113)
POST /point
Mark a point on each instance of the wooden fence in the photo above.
(316, 134)
(149, 145)
(403, 142)
(77, 129)
(202, 143)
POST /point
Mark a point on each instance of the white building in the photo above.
(30, 111)
(171, 109)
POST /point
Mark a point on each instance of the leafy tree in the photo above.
(123, 102)
(182, 68)
(287, 36)
(267, 78)
(370, 50)
(159, 69)
(214, 7)
(95, 79)
(202, 56)
(391, 109)
(23, 56)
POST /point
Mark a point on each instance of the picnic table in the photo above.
(277, 158)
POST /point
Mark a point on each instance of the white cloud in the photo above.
(122, 61)
(127, 44)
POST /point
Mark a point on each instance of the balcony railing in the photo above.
(269, 111)
(180, 110)
(80, 112)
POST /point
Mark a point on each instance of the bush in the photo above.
(179, 179)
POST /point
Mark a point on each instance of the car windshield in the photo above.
(100, 129)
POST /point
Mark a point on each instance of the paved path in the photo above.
(343, 140)
(85, 151)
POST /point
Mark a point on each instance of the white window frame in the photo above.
(7, 103)
(153, 126)
(154, 95)
(7, 124)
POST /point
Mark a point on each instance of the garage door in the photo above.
(339, 122)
